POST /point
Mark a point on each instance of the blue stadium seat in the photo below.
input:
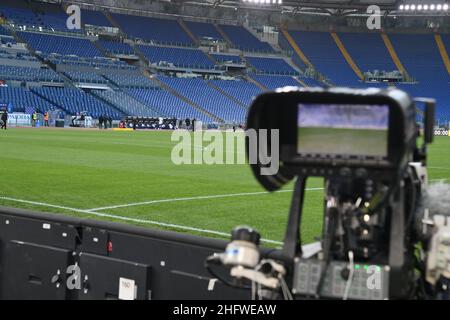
(198, 91)
(95, 18)
(223, 58)
(116, 47)
(126, 103)
(85, 76)
(203, 30)
(324, 54)
(368, 51)
(22, 98)
(424, 63)
(28, 74)
(244, 92)
(74, 101)
(162, 31)
(274, 82)
(183, 58)
(271, 66)
(242, 39)
(167, 104)
(48, 44)
(129, 80)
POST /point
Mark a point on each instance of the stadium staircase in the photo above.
(188, 31)
(346, 55)
(393, 54)
(256, 83)
(100, 48)
(442, 51)
(181, 97)
(297, 49)
(226, 94)
(224, 35)
(301, 82)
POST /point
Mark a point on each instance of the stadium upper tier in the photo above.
(152, 29)
(325, 56)
(168, 104)
(74, 101)
(116, 47)
(26, 17)
(185, 58)
(28, 74)
(204, 30)
(343, 59)
(48, 44)
(274, 82)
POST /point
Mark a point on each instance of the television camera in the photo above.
(386, 232)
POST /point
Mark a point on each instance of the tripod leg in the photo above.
(292, 239)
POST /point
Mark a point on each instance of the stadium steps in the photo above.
(66, 80)
(121, 109)
(224, 35)
(188, 31)
(297, 49)
(393, 54)
(301, 82)
(183, 98)
(100, 48)
(442, 51)
(226, 94)
(256, 83)
(346, 55)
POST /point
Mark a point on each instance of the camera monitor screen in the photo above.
(343, 129)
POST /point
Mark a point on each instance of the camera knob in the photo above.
(243, 233)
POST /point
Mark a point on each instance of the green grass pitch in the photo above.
(73, 171)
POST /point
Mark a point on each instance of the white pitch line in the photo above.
(191, 199)
(144, 221)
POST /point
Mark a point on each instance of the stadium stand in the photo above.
(126, 103)
(115, 47)
(271, 66)
(28, 74)
(274, 82)
(372, 55)
(167, 104)
(198, 91)
(50, 20)
(97, 62)
(243, 40)
(85, 76)
(323, 53)
(227, 58)
(48, 44)
(425, 64)
(129, 80)
(156, 30)
(95, 18)
(22, 98)
(183, 58)
(168, 40)
(203, 30)
(243, 91)
(75, 101)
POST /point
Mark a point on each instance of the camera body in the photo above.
(364, 143)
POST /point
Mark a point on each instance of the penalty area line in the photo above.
(217, 196)
(143, 221)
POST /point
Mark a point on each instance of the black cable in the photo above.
(216, 261)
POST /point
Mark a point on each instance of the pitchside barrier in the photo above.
(46, 256)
